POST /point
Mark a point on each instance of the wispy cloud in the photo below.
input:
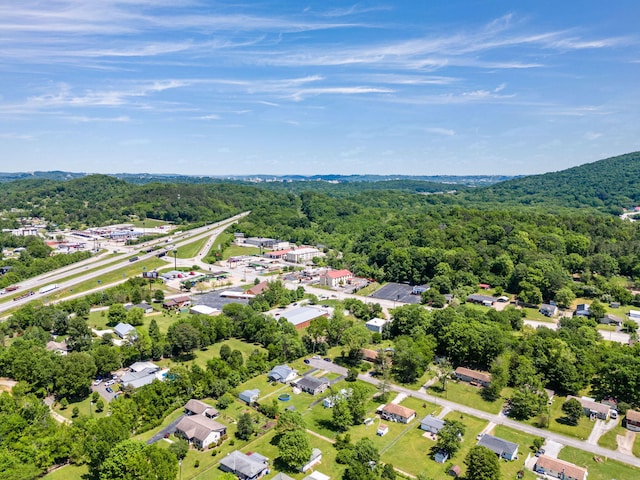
(441, 131)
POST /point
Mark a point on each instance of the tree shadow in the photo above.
(566, 421)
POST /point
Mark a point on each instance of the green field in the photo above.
(85, 407)
(581, 431)
(604, 470)
(466, 394)
(190, 250)
(236, 251)
(68, 472)
(98, 319)
(201, 356)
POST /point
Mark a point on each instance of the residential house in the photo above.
(548, 310)
(198, 407)
(376, 325)
(485, 300)
(125, 331)
(454, 471)
(634, 315)
(249, 396)
(582, 310)
(282, 476)
(312, 385)
(369, 355)
(397, 413)
(282, 374)
(556, 468)
(258, 288)
(317, 476)
(176, 302)
(314, 459)
(431, 424)
(484, 286)
(592, 408)
(143, 373)
(474, 377)
(145, 307)
(611, 319)
(60, 348)
(249, 466)
(335, 278)
(502, 448)
(200, 431)
(633, 420)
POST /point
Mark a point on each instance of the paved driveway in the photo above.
(168, 430)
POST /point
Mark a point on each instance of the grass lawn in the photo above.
(99, 319)
(201, 356)
(605, 470)
(148, 223)
(121, 274)
(143, 437)
(411, 453)
(190, 250)
(466, 394)
(236, 251)
(581, 431)
(85, 407)
(608, 440)
(68, 472)
(369, 289)
(534, 314)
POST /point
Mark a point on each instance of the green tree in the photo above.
(342, 418)
(290, 420)
(573, 411)
(133, 459)
(597, 310)
(106, 359)
(565, 297)
(158, 296)
(364, 461)
(117, 314)
(450, 437)
(179, 448)
(482, 464)
(294, 448)
(245, 426)
(135, 316)
(183, 338)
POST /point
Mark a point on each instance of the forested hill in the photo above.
(609, 185)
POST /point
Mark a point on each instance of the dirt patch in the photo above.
(625, 443)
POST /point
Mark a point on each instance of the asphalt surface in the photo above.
(168, 430)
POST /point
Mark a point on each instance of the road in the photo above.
(612, 336)
(110, 265)
(490, 417)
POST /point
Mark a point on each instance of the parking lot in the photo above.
(397, 292)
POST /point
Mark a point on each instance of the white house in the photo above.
(282, 374)
(200, 430)
(559, 468)
(124, 330)
(376, 324)
(314, 459)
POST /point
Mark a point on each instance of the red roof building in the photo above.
(334, 278)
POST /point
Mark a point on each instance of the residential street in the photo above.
(489, 417)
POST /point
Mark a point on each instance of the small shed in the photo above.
(382, 430)
(454, 471)
(249, 396)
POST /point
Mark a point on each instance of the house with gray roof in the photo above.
(502, 448)
(314, 459)
(249, 396)
(282, 374)
(245, 466)
(198, 407)
(124, 330)
(312, 385)
(431, 424)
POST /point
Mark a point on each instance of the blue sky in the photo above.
(306, 87)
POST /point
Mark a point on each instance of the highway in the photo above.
(61, 276)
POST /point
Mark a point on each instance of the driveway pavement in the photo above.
(168, 430)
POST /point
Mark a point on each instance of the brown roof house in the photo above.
(397, 413)
(200, 431)
(592, 408)
(258, 288)
(472, 376)
(559, 468)
(197, 407)
(633, 420)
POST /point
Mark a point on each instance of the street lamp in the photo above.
(175, 259)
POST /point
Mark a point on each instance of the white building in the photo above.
(376, 324)
(301, 255)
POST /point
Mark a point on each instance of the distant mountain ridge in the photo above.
(141, 178)
(610, 185)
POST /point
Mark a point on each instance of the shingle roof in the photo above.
(569, 469)
(633, 416)
(467, 372)
(339, 273)
(591, 405)
(198, 407)
(433, 422)
(498, 445)
(239, 462)
(198, 427)
(398, 410)
(311, 383)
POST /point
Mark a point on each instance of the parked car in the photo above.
(327, 359)
(317, 357)
(307, 361)
(109, 389)
(614, 414)
(98, 381)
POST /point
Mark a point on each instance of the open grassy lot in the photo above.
(604, 470)
(556, 424)
(236, 251)
(201, 356)
(411, 453)
(68, 472)
(148, 223)
(86, 409)
(466, 394)
(98, 319)
(534, 314)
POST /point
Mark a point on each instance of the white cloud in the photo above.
(441, 131)
(592, 135)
